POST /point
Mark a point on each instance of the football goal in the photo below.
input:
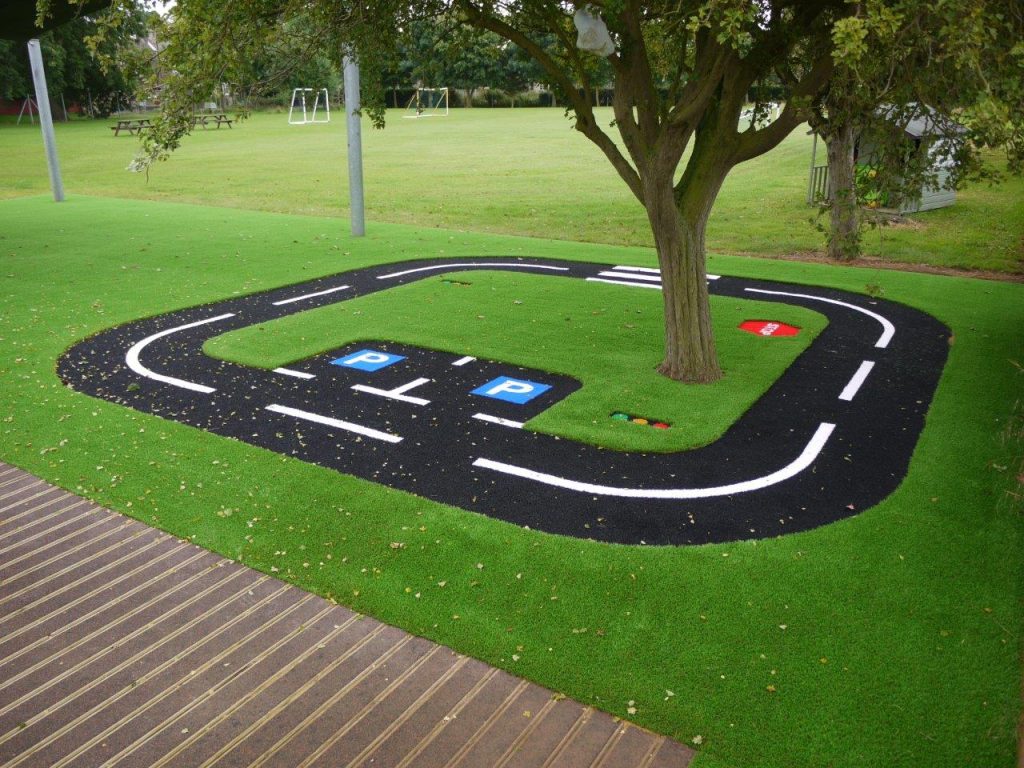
(321, 104)
(428, 102)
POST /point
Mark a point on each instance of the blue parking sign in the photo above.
(368, 360)
(511, 390)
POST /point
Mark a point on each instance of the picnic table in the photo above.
(132, 125)
(208, 120)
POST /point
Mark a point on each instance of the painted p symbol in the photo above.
(511, 390)
(368, 360)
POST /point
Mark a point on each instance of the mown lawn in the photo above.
(520, 171)
(888, 639)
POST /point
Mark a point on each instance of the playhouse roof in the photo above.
(920, 121)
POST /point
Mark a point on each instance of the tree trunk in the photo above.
(844, 219)
(690, 353)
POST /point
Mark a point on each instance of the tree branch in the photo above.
(754, 143)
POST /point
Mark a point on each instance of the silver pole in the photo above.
(35, 57)
(355, 147)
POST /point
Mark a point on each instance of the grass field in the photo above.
(521, 172)
(888, 639)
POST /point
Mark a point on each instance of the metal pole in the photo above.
(355, 146)
(35, 58)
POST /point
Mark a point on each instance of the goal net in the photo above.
(428, 102)
(309, 106)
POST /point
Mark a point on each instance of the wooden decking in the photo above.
(123, 646)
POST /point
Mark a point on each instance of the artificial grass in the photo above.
(610, 338)
(521, 171)
(888, 639)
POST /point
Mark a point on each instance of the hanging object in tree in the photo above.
(593, 33)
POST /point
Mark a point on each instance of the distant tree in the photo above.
(75, 65)
(513, 75)
(14, 75)
(471, 59)
(438, 51)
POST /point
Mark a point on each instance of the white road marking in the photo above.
(132, 357)
(310, 295)
(464, 360)
(398, 393)
(296, 374)
(649, 278)
(337, 423)
(498, 420)
(632, 280)
(855, 383)
(888, 329)
(468, 266)
(651, 271)
(802, 462)
(624, 282)
(648, 270)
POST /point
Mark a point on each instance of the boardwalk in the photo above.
(123, 646)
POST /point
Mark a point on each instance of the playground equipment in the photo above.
(299, 96)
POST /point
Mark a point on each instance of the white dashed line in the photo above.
(327, 421)
(470, 266)
(888, 329)
(498, 420)
(463, 360)
(132, 357)
(802, 462)
(309, 295)
(855, 383)
(296, 374)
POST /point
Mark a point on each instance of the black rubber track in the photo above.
(447, 454)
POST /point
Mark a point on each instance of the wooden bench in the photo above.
(208, 120)
(132, 126)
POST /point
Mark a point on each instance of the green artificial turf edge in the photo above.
(610, 338)
(890, 638)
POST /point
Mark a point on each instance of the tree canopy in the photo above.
(90, 50)
(24, 19)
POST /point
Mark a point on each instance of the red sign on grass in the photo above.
(768, 328)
